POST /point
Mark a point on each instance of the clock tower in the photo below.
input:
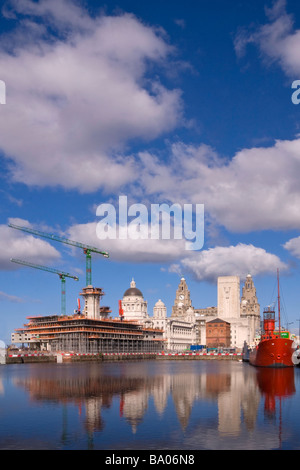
(182, 301)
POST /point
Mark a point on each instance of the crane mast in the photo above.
(87, 249)
(62, 275)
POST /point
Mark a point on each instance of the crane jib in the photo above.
(86, 248)
(60, 239)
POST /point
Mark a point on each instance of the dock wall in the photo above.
(112, 357)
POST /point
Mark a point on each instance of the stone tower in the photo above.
(182, 300)
(249, 302)
(92, 297)
(159, 310)
(250, 307)
(228, 297)
(159, 319)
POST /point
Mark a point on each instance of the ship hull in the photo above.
(276, 352)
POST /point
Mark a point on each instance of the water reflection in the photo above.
(275, 385)
(200, 396)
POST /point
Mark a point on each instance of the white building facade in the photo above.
(179, 333)
(133, 304)
(187, 326)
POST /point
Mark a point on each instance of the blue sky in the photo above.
(164, 102)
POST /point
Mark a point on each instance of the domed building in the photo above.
(178, 334)
(133, 304)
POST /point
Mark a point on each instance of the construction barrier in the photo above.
(127, 354)
(60, 357)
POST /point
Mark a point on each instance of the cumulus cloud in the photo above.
(258, 189)
(204, 265)
(238, 260)
(293, 246)
(76, 98)
(129, 250)
(23, 246)
(277, 40)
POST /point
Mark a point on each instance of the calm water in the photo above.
(149, 405)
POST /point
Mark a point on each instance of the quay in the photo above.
(109, 357)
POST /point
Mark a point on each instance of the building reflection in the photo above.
(237, 389)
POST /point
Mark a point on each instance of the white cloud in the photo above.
(75, 103)
(76, 99)
(293, 246)
(25, 247)
(204, 265)
(258, 189)
(128, 250)
(277, 40)
(238, 260)
(59, 13)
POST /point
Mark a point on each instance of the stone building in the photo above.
(92, 296)
(242, 314)
(133, 304)
(183, 310)
(188, 325)
(179, 334)
(229, 297)
(182, 300)
(250, 307)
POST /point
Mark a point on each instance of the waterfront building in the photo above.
(182, 301)
(218, 334)
(133, 304)
(92, 297)
(229, 309)
(93, 330)
(241, 313)
(90, 331)
(160, 315)
(229, 297)
(80, 334)
(179, 333)
(250, 307)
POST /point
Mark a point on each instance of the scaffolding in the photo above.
(79, 334)
(85, 345)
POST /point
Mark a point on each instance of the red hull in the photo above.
(275, 352)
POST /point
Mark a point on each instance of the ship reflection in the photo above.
(275, 384)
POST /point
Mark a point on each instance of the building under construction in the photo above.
(89, 331)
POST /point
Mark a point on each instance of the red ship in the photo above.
(275, 348)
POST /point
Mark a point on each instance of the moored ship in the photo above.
(275, 348)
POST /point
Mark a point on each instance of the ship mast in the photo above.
(278, 300)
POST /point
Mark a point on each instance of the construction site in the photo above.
(87, 330)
